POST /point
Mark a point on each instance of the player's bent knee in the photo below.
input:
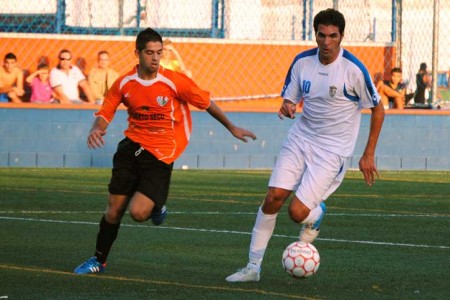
(298, 211)
(274, 200)
(113, 216)
(296, 216)
(138, 216)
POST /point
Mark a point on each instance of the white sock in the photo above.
(313, 216)
(261, 234)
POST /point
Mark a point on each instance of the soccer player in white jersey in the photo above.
(334, 86)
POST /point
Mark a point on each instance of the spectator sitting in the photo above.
(396, 84)
(66, 78)
(387, 92)
(102, 77)
(41, 91)
(11, 80)
(172, 60)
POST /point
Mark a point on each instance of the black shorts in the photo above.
(135, 169)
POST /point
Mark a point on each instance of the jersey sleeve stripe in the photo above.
(351, 97)
(310, 52)
(367, 78)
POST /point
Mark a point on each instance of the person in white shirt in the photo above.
(66, 78)
(334, 86)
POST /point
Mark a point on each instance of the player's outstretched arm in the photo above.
(98, 130)
(367, 162)
(237, 132)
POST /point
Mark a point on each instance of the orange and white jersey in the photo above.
(159, 118)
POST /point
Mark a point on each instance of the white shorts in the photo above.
(312, 172)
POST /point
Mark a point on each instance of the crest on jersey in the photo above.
(332, 91)
(162, 100)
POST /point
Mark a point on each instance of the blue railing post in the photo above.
(215, 19)
(138, 14)
(60, 16)
(394, 21)
(310, 31)
(304, 21)
(217, 30)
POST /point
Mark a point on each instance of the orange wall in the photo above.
(36, 49)
(225, 69)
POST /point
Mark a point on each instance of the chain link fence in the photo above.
(237, 49)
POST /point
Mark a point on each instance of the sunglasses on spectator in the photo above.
(64, 58)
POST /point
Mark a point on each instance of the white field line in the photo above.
(226, 232)
(391, 215)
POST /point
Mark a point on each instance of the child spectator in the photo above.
(41, 91)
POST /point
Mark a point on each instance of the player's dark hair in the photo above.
(330, 17)
(423, 66)
(396, 70)
(10, 55)
(145, 36)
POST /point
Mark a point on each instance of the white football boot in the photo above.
(310, 231)
(247, 274)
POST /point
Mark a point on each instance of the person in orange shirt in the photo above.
(159, 127)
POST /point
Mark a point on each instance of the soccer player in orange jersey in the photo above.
(159, 127)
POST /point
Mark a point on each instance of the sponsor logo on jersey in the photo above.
(162, 100)
(332, 91)
(143, 117)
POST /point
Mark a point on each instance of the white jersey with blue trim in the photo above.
(333, 96)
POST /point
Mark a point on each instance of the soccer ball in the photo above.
(300, 259)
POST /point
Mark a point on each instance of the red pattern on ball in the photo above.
(301, 259)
